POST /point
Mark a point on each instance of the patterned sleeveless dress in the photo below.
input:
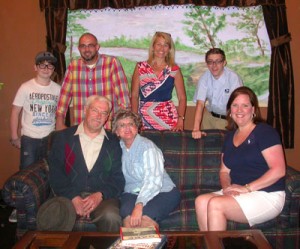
(156, 108)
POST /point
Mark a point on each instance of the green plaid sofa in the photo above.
(194, 167)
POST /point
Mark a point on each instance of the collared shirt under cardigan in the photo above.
(68, 173)
(107, 79)
(143, 169)
(91, 147)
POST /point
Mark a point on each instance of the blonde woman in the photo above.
(153, 82)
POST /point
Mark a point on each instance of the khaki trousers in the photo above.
(107, 215)
(211, 122)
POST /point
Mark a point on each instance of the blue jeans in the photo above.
(157, 209)
(32, 150)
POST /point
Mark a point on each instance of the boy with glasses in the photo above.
(215, 87)
(36, 102)
(33, 110)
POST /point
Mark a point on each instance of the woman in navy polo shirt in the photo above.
(252, 170)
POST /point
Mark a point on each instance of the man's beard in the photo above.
(87, 59)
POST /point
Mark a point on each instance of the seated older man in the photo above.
(85, 167)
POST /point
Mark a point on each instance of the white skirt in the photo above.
(260, 206)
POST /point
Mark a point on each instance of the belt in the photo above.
(218, 115)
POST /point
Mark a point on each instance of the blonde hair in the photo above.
(170, 58)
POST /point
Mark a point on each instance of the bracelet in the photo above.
(183, 118)
(247, 186)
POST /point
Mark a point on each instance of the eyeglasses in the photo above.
(210, 63)
(162, 33)
(95, 111)
(43, 66)
(83, 46)
(128, 125)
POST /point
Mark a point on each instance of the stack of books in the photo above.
(139, 238)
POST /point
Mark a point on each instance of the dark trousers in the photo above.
(157, 209)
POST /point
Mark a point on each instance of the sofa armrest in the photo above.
(290, 213)
(26, 190)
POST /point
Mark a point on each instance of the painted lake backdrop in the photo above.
(126, 33)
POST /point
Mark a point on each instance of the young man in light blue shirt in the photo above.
(215, 87)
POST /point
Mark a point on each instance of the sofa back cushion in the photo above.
(192, 164)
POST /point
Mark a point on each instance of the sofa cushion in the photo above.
(184, 217)
(193, 163)
(194, 167)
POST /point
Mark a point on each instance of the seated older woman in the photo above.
(150, 195)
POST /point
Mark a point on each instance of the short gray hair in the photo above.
(125, 113)
(93, 98)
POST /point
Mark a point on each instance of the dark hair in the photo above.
(215, 51)
(123, 113)
(243, 90)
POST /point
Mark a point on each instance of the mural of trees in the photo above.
(246, 53)
(250, 21)
(203, 27)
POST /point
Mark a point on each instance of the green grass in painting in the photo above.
(142, 43)
(128, 67)
(257, 78)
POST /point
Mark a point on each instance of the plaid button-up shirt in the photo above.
(107, 79)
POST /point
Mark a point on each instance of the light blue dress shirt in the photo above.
(143, 169)
(217, 91)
